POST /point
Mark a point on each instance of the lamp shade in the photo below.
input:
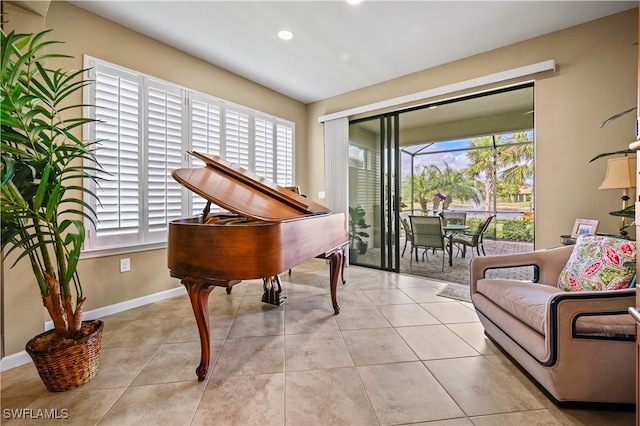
(621, 173)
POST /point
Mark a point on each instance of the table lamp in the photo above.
(621, 174)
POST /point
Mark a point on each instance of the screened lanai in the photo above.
(471, 155)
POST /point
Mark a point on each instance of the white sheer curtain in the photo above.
(336, 164)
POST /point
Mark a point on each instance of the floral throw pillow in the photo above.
(597, 263)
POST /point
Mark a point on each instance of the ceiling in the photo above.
(340, 47)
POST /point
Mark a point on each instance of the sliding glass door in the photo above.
(373, 192)
(476, 152)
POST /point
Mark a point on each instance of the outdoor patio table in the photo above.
(449, 231)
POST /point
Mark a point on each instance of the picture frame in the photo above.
(584, 227)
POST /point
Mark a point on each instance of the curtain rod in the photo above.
(526, 70)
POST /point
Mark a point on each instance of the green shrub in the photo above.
(505, 229)
(473, 223)
(516, 230)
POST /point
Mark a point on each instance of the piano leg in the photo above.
(336, 262)
(198, 291)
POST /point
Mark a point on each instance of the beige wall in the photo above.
(596, 78)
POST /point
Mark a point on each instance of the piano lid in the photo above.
(243, 192)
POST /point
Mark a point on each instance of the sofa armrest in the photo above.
(566, 308)
(548, 263)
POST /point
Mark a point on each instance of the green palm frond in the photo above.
(44, 161)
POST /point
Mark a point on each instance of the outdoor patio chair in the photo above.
(473, 239)
(428, 234)
(408, 234)
(458, 218)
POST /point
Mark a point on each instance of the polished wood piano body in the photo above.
(269, 230)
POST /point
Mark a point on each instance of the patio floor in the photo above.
(431, 267)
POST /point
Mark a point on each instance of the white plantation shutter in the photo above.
(118, 129)
(263, 148)
(284, 154)
(206, 128)
(206, 137)
(145, 127)
(236, 127)
(164, 154)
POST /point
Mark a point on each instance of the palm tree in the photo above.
(484, 163)
(423, 185)
(520, 160)
(446, 180)
(454, 184)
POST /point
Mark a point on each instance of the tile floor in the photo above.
(396, 354)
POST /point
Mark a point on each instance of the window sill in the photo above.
(112, 251)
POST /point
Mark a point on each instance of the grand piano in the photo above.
(267, 230)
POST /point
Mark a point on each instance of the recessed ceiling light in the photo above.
(285, 35)
(354, 1)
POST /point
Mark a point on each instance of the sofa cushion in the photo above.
(524, 300)
(597, 263)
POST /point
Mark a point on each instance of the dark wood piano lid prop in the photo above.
(243, 192)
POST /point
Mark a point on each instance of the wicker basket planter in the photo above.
(66, 368)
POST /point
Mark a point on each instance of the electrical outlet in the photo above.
(125, 265)
(321, 195)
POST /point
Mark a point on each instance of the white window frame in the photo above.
(165, 134)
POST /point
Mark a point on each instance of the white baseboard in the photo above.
(14, 360)
(20, 358)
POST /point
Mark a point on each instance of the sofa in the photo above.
(579, 346)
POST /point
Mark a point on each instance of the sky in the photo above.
(455, 159)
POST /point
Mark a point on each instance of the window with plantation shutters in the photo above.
(206, 137)
(236, 129)
(284, 154)
(146, 127)
(118, 130)
(206, 127)
(263, 151)
(164, 154)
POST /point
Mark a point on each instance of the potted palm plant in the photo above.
(357, 235)
(42, 200)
